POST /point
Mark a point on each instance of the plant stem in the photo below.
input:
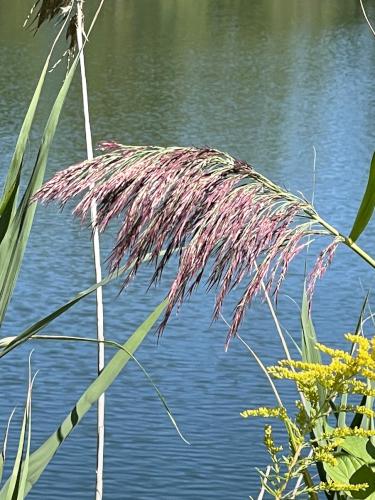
(312, 214)
(347, 241)
(97, 262)
(297, 448)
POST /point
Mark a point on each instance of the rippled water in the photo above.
(264, 80)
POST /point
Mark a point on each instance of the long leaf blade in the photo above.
(13, 246)
(4, 449)
(367, 205)
(17, 480)
(40, 458)
(309, 351)
(11, 184)
(11, 343)
(112, 343)
(43, 322)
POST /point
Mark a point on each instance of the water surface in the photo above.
(264, 80)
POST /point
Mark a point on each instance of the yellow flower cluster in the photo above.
(342, 432)
(345, 374)
(339, 376)
(269, 442)
(279, 412)
(335, 486)
(324, 453)
(363, 410)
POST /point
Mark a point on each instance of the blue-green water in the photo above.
(266, 80)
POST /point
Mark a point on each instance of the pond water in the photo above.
(266, 81)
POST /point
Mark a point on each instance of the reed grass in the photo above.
(205, 205)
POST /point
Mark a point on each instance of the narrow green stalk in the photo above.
(294, 446)
(347, 241)
(297, 448)
(310, 212)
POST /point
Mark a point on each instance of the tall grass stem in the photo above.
(97, 262)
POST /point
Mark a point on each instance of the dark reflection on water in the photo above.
(264, 80)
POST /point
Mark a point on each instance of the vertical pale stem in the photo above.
(98, 271)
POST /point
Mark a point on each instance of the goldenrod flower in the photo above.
(335, 486)
(342, 432)
(269, 442)
(279, 412)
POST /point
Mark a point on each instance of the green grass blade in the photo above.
(309, 351)
(14, 243)
(11, 184)
(21, 493)
(116, 345)
(367, 205)
(4, 449)
(7, 205)
(358, 328)
(17, 480)
(358, 418)
(43, 322)
(12, 491)
(46, 320)
(40, 458)
(341, 419)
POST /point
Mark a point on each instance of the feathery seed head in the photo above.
(215, 211)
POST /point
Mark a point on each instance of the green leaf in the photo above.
(17, 480)
(358, 417)
(4, 449)
(366, 208)
(359, 420)
(46, 320)
(112, 343)
(351, 470)
(40, 458)
(9, 199)
(341, 419)
(13, 245)
(361, 448)
(7, 205)
(310, 353)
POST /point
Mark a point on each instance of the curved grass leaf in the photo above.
(358, 418)
(367, 206)
(311, 354)
(9, 198)
(309, 351)
(40, 458)
(116, 345)
(11, 343)
(7, 204)
(5, 442)
(13, 245)
(17, 480)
